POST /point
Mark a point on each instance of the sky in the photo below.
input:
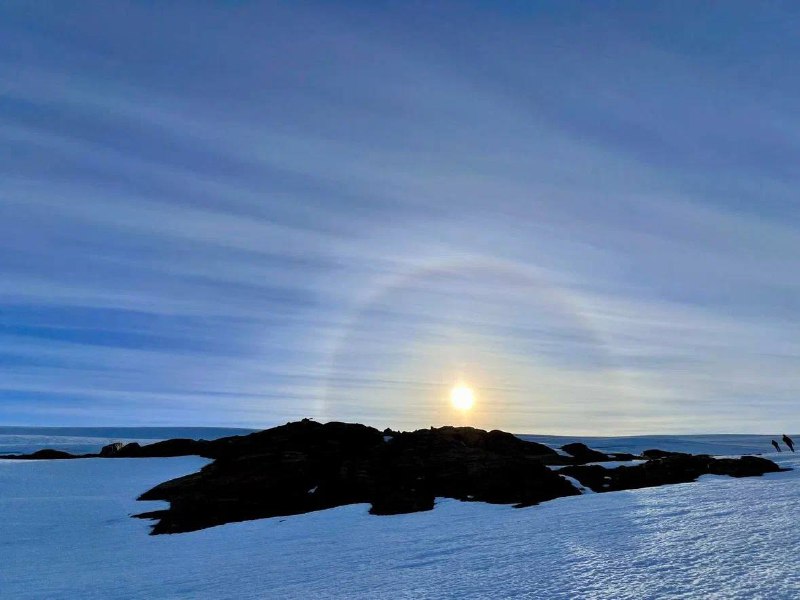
(245, 213)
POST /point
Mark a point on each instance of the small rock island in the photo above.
(306, 466)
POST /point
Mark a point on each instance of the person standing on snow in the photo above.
(788, 441)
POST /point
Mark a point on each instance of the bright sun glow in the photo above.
(462, 397)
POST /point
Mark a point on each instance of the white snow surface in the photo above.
(66, 532)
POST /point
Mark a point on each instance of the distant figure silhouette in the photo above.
(777, 447)
(788, 441)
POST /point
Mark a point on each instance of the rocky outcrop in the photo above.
(49, 454)
(654, 453)
(463, 463)
(493, 441)
(46, 454)
(745, 466)
(112, 449)
(673, 468)
(583, 454)
(306, 466)
(166, 448)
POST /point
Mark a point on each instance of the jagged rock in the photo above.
(675, 468)
(270, 473)
(130, 450)
(583, 453)
(622, 456)
(112, 449)
(470, 464)
(305, 466)
(655, 453)
(746, 466)
(176, 447)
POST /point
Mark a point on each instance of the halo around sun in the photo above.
(462, 397)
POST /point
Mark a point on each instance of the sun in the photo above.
(462, 397)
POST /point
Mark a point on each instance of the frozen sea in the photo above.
(66, 532)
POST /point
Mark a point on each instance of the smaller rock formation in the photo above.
(49, 454)
(673, 468)
(166, 448)
(583, 453)
(655, 453)
(112, 449)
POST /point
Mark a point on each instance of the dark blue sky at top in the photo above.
(239, 214)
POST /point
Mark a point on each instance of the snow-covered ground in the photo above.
(65, 532)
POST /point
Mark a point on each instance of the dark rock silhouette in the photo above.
(654, 453)
(112, 449)
(129, 450)
(678, 468)
(49, 454)
(583, 454)
(176, 447)
(777, 446)
(306, 466)
(788, 441)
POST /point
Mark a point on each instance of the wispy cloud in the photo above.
(272, 212)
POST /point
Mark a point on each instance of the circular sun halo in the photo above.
(462, 397)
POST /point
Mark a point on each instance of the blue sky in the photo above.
(245, 213)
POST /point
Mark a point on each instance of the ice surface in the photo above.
(66, 533)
